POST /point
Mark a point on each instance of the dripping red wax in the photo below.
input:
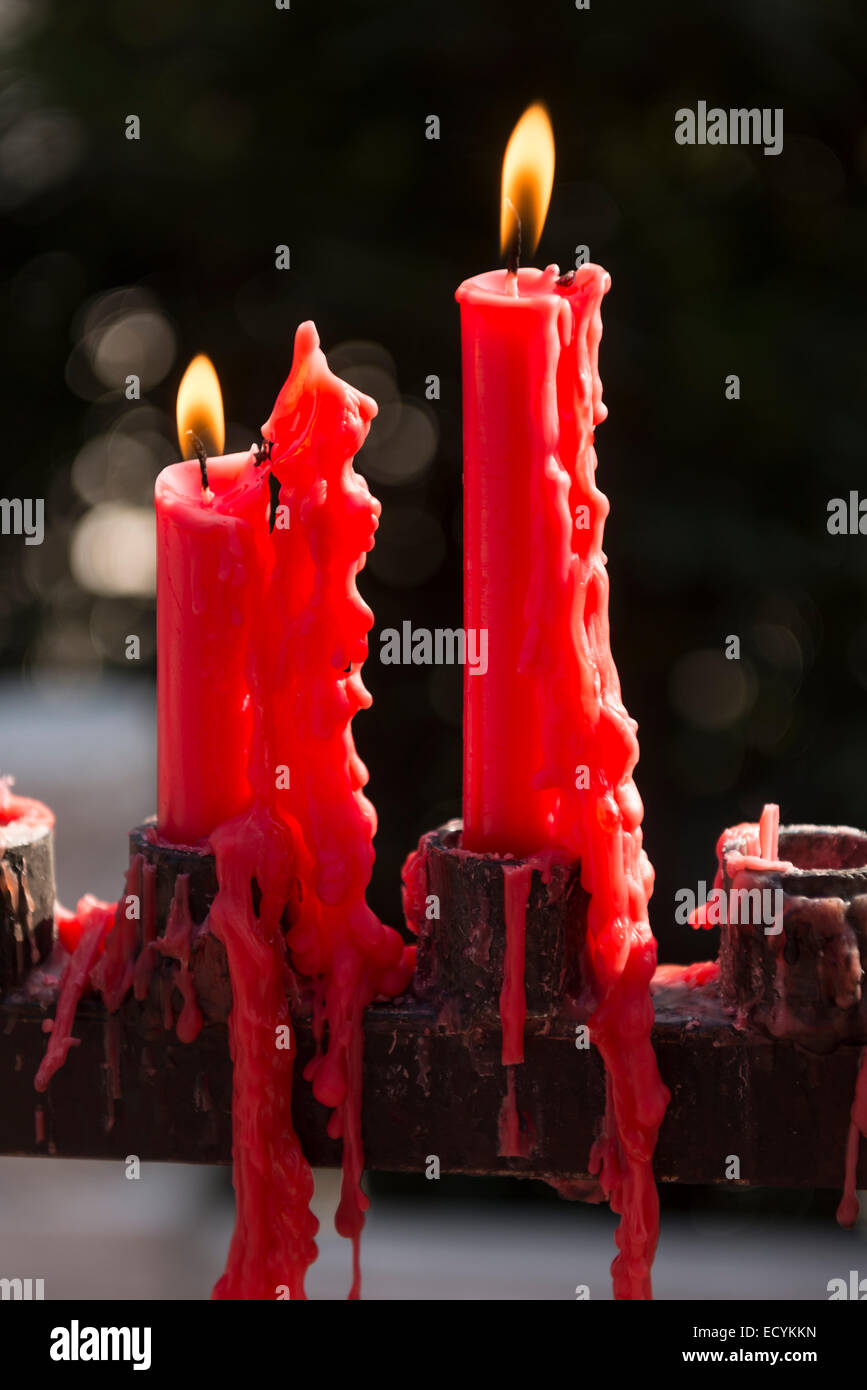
(298, 639)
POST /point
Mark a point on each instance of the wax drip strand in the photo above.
(273, 1243)
(316, 646)
(584, 724)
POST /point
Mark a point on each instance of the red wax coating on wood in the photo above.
(513, 1003)
(94, 920)
(102, 940)
(847, 1211)
(512, 1142)
(273, 1242)
(762, 848)
(550, 749)
(23, 812)
(209, 552)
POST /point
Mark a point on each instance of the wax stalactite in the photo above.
(273, 1243)
(584, 724)
(513, 1004)
(513, 1141)
(847, 1211)
(94, 920)
(316, 627)
(113, 950)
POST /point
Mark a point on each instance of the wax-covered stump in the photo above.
(162, 866)
(456, 902)
(804, 981)
(27, 891)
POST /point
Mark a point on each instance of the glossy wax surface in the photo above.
(549, 748)
(210, 556)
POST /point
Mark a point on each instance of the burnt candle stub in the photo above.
(27, 894)
(793, 946)
(455, 900)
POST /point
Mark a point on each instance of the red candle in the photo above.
(210, 543)
(511, 337)
(510, 330)
(303, 828)
(549, 747)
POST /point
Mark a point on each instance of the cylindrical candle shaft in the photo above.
(511, 348)
(210, 556)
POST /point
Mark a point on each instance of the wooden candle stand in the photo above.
(26, 901)
(434, 1082)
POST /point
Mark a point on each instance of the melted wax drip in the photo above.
(93, 921)
(308, 844)
(584, 724)
(102, 940)
(761, 856)
(847, 1211)
(315, 647)
(513, 1005)
(273, 1242)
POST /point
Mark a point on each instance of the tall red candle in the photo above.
(549, 748)
(510, 347)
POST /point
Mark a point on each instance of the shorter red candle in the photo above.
(210, 559)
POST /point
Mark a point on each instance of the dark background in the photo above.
(307, 127)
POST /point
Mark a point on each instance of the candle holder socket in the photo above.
(799, 972)
(456, 903)
(27, 897)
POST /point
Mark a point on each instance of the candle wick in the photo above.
(202, 456)
(274, 486)
(263, 451)
(513, 259)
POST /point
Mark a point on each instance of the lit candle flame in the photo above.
(528, 177)
(200, 409)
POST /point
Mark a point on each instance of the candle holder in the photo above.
(163, 1098)
(462, 945)
(158, 871)
(26, 899)
(795, 969)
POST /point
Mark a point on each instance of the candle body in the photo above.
(510, 347)
(533, 396)
(211, 558)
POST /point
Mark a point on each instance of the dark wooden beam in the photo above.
(429, 1088)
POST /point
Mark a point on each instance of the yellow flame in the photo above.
(528, 176)
(200, 408)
